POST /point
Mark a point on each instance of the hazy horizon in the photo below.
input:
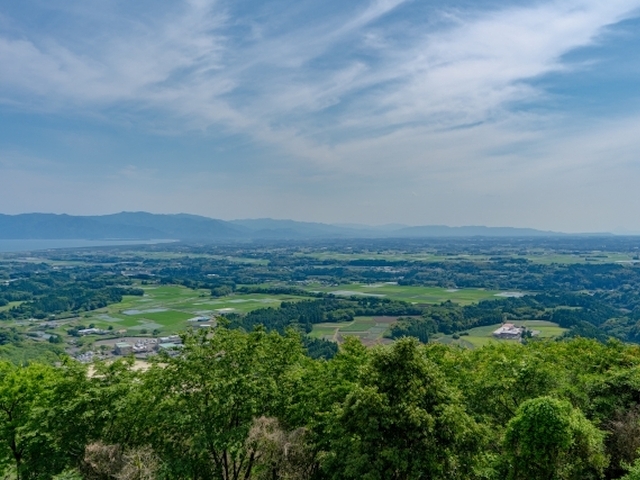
(511, 114)
(350, 225)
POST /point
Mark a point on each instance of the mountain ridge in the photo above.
(187, 227)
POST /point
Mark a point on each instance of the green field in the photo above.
(536, 256)
(178, 256)
(481, 336)
(370, 330)
(412, 294)
(167, 308)
(389, 256)
(9, 306)
(593, 257)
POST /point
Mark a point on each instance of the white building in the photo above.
(508, 331)
(90, 331)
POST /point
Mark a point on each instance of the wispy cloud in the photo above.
(463, 74)
(134, 64)
(319, 81)
(388, 91)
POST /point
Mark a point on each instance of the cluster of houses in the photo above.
(168, 344)
(98, 331)
(141, 346)
(86, 357)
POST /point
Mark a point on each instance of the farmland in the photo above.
(480, 336)
(445, 287)
(168, 308)
(369, 330)
(290, 310)
(539, 256)
(411, 294)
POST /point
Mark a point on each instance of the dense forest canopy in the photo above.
(241, 405)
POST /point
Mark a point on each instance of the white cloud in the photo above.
(134, 64)
(424, 105)
(186, 65)
(464, 74)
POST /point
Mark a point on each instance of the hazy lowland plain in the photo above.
(306, 343)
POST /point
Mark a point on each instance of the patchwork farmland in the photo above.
(168, 309)
(410, 293)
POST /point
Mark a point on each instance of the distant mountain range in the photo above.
(146, 226)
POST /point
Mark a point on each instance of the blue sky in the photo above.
(370, 111)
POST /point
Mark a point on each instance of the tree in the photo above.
(550, 440)
(403, 421)
(280, 454)
(623, 440)
(103, 462)
(27, 395)
(634, 471)
(497, 379)
(202, 404)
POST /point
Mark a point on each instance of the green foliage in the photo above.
(317, 348)
(204, 402)
(29, 352)
(9, 336)
(403, 420)
(28, 395)
(503, 376)
(68, 475)
(548, 439)
(235, 405)
(633, 472)
(306, 313)
(419, 328)
(55, 339)
(585, 329)
(221, 291)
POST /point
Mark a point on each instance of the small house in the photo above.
(123, 348)
(90, 331)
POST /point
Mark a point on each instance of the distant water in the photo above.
(33, 245)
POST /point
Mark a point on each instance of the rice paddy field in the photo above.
(169, 308)
(370, 330)
(413, 294)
